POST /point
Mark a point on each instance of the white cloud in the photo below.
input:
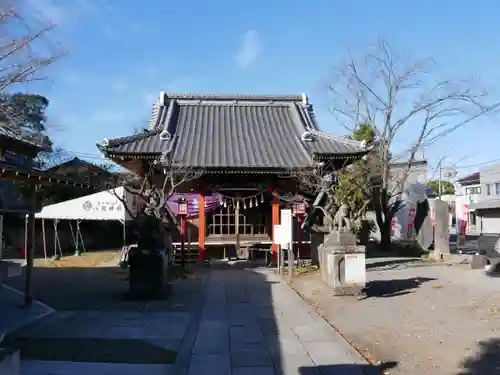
(73, 13)
(250, 49)
(50, 11)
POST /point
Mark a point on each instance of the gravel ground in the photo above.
(431, 319)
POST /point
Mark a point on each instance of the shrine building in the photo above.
(248, 147)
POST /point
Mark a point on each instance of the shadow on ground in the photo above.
(98, 288)
(349, 369)
(391, 262)
(96, 322)
(487, 360)
(234, 326)
(394, 287)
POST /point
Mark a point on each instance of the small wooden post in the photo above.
(201, 226)
(30, 249)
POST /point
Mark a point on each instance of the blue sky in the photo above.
(122, 53)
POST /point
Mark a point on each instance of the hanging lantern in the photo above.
(182, 207)
(224, 203)
(261, 198)
(238, 204)
(244, 205)
(251, 203)
(299, 206)
(256, 202)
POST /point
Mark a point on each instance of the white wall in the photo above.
(489, 176)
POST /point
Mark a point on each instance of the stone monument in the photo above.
(441, 231)
(342, 263)
(423, 224)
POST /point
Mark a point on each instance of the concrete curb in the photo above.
(346, 340)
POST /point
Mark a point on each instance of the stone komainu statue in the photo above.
(342, 218)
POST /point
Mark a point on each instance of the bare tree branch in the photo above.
(402, 99)
(397, 95)
(26, 50)
(152, 192)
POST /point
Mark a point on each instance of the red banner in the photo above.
(411, 219)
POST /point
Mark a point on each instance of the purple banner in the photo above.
(211, 203)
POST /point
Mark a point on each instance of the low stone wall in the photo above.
(9, 362)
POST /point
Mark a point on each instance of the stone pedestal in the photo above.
(148, 277)
(342, 263)
(317, 239)
(478, 262)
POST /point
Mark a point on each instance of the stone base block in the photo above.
(348, 290)
(478, 262)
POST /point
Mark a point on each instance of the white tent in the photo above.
(105, 205)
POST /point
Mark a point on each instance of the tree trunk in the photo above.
(385, 236)
(383, 216)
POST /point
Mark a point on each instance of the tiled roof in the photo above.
(472, 179)
(78, 167)
(233, 131)
(25, 172)
(12, 135)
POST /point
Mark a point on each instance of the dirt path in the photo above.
(430, 319)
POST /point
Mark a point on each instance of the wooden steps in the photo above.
(191, 254)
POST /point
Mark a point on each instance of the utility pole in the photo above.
(448, 172)
(440, 177)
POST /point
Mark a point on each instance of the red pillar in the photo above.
(275, 221)
(201, 227)
(299, 235)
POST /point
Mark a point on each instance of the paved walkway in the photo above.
(251, 323)
(13, 313)
(246, 322)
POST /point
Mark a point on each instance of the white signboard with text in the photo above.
(277, 234)
(355, 268)
(286, 222)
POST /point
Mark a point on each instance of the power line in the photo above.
(460, 124)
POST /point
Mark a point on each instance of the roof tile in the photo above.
(234, 131)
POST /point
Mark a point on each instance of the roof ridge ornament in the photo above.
(308, 136)
(162, 99)
(165, 135)
(305, 100)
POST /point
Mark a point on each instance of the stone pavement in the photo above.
(13, 314)
(251, 323)
(245, 322)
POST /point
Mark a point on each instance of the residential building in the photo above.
(468, 192)
(487, 207)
